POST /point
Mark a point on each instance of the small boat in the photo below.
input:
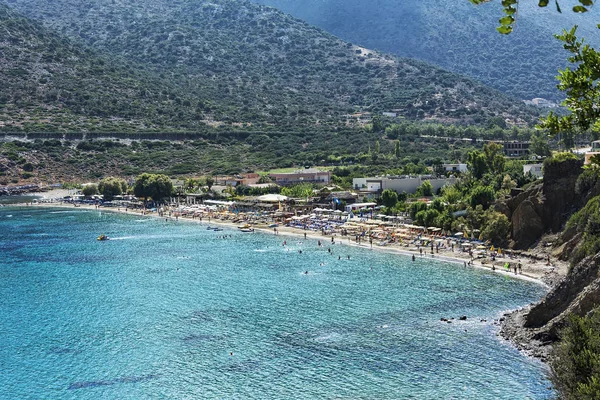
(245, 226)
(246, 229)
(217, 229)
(102, 237)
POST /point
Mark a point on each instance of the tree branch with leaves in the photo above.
(511, 7)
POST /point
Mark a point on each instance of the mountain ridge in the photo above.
(253, 65)
(457, 36)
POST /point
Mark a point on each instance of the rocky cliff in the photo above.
(567, 192)
(543, 207)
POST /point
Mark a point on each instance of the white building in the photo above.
(533, 169)
(408, 184)
(455, 167)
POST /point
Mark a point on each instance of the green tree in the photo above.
(427, 217)
(426, 189)
(510, 10)
(438, 167)
(300, 191)
(508, 183)
(581, 85)
(575, 363)
(475, 217)
(141, 187)
(89, 190)
(482, 195)
(496, 227)
(476, 162)
(210, 181)
(111, 187)
(416, 207)
(397, 149)
(539, 145)
(377, 124)
(190, 184)
(161, 187)
(393, 131)
(389, 198)
(494, 157)
(155, 186)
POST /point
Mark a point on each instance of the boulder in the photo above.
(527, 224)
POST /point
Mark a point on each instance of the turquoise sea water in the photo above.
(156, 311)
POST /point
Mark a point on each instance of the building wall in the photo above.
(294, 178)
(359, 183)
(534, 169)
(455, 167)
(408, 185)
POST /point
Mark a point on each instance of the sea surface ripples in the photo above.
(171, 310)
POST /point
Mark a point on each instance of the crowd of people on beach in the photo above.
(370, 232)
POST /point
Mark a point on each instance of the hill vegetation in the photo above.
(457, 36)
(195, 65)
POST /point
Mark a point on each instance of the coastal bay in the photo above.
(164, 303)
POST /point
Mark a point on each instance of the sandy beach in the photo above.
(534, 265)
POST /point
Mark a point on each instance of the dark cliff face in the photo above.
(545, 206)
(538, 326)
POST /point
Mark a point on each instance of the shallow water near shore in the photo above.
(172, 310)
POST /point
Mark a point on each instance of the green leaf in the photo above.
(543, 3)
(579, 9)
(505, 30)
(508, 20)
(587, 2)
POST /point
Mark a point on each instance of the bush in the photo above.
(497, 227)
(576, 360)
(557, 159)
(89, 190)
(586, 181)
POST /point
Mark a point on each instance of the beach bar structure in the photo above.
(360, 206)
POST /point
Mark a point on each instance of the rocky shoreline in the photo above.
(18, 190)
